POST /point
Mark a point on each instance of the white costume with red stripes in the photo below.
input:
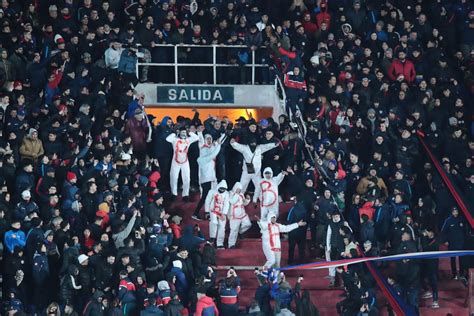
(255, 158)
(238, 218)
(271, 243)
(217, 206)
(180, 162)
(267, 193)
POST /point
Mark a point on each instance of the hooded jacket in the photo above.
(237, 203)
(206, 307)
(189, 241)
(14, 238)
(267, 190)
(218, 203)
(207, 158)
(31, 148)
(181, 147)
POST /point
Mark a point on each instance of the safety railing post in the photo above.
(176, 76)
(214, 62)
(253, 67)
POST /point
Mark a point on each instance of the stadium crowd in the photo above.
(86, 176)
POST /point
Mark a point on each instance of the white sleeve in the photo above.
(279, 178)
(328, 237)
(266, 147)
(201, 139)
(239, 147)
(226, 206)
(193, 138)
(207, 203)
(234, 197)
(288, 228)
(171, 138)
(263, 225)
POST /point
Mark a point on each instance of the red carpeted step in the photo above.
(448, 299)
(443, 311)
(452, 294)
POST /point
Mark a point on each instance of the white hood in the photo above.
(222, 184)
(237, 185)
(266, 170)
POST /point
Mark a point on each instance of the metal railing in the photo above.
(176, 64)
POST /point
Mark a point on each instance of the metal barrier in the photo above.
(177, 64)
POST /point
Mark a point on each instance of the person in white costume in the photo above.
(252, 161)
(217, 206)
(267, 193)
(238, 218)
(271, 243)
(180, 162)
(208, 151)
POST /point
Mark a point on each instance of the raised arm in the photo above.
(266, 147)
(171, 138)
(239, 147)
(288, 228)
(193, 137)
(201, 139)
(279, 178)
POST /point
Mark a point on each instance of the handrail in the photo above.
(199, 65)
(214, 65)
(211, 45)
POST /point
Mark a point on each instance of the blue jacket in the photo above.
(40, 268)
(152, 311)
(127, 63)
(181, 282)
(14, 238)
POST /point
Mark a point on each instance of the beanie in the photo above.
(71, 176)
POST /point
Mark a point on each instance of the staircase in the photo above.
(248, 254)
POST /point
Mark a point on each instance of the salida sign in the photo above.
(195, 95)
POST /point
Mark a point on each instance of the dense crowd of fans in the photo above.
(86, 176)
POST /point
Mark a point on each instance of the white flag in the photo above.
(193, 7)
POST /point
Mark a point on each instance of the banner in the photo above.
(229, 96)
(411, 256)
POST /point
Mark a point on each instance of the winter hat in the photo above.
(71, 176)
(125, 157)
(17, 84)
(314, 60)
(163, 284)
(47, 233)
(176, 219)
(157, 228)
(143, 181)
(35, 222)
(333, 162)
(31, 131)
(157, 196)
(26, 194)
(58, 39)
(112, 183)
(82, 258)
